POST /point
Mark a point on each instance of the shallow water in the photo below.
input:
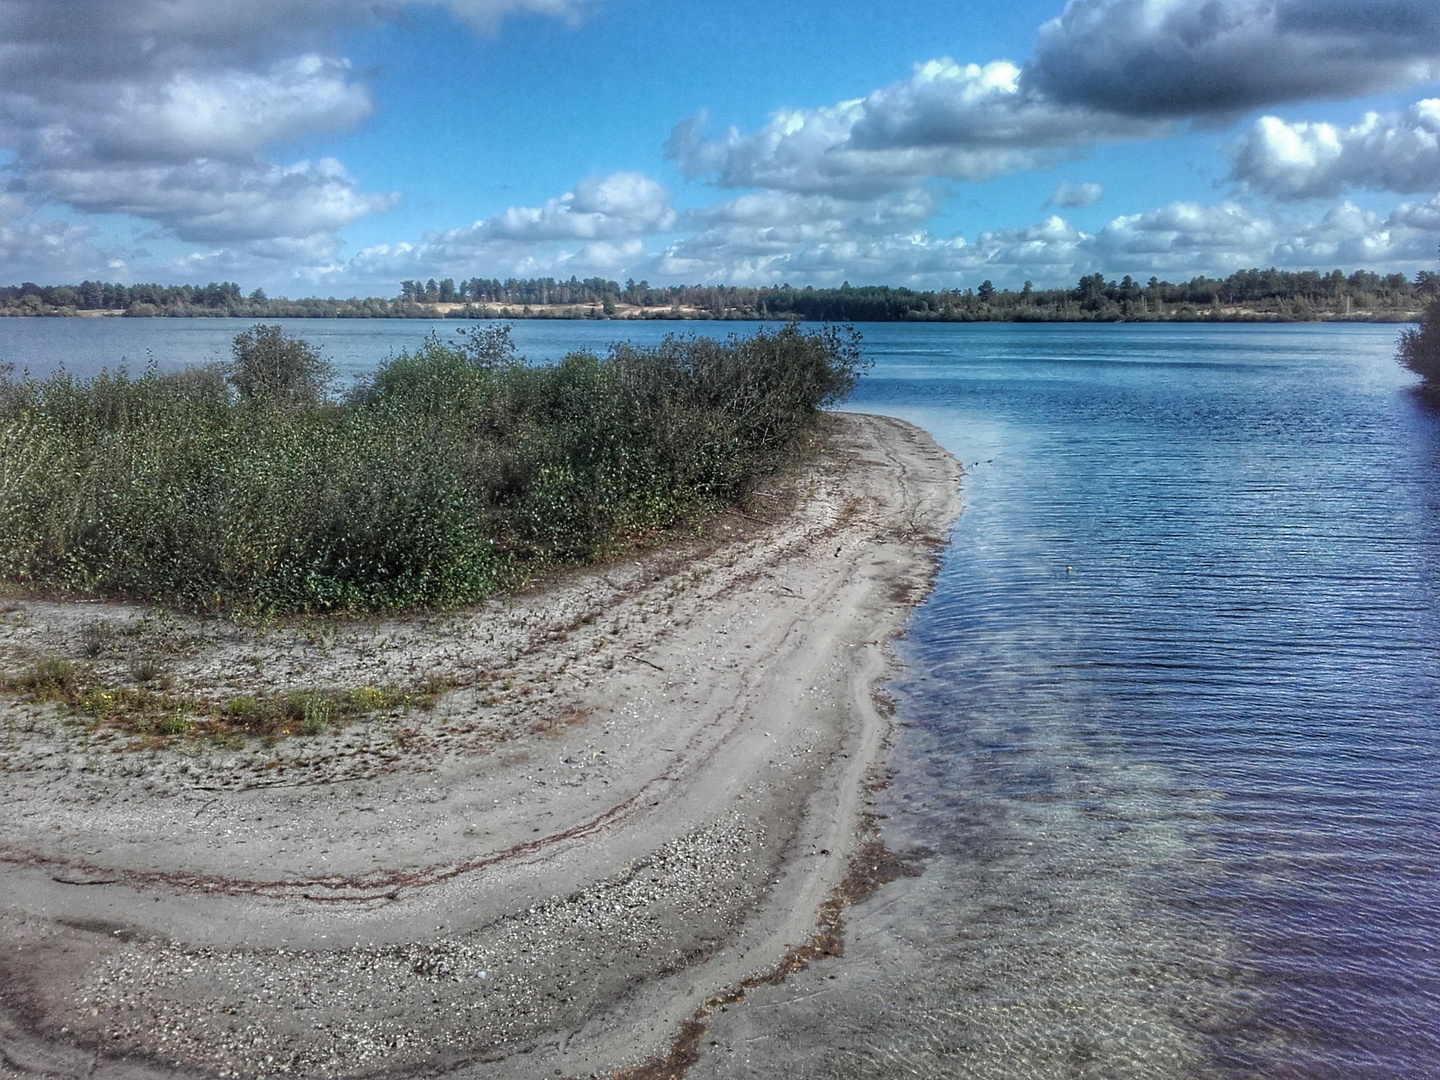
(1175, 709)
(1171, 718)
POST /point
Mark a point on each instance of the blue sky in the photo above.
(338, 146)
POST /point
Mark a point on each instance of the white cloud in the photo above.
(621, 205)
(599, 226)
(47, 251)
(773, 236)
(1186, 58)
(229, 114)
(1176, 241)
(962, 122)
(1104, 70)
(1071, 195)
(1348, 236)
(172, 110)
(1187, 238)
(1398, 153)
(217, 202)
(116, 36)
(1184, 236)
(767, 237)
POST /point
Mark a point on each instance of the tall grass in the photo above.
(455, 470)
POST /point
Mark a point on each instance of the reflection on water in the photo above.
(1172, 723)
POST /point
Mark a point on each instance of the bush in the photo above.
(456, 470)
(1420, 348)
(272, 366)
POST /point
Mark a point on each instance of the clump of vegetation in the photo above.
(143, 710)
(51, 678)
(272, 366)
(1420, 348)
(455, 470)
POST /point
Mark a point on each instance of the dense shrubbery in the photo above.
(1420, 348)
(455, 470)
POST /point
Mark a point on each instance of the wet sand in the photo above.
(642, 791)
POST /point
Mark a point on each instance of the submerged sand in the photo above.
(643, 792)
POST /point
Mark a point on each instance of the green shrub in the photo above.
(50, 679)
(1420, 348)
(272, 366)
(454, 471)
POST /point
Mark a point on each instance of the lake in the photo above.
(85, 346)
(1170, 742)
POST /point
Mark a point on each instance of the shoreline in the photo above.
(644, 788)
(461, 313)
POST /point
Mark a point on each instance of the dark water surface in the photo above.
(1172, 713)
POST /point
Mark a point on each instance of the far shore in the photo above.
(1237, 313)
(644, 788)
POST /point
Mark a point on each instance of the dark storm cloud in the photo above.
(1190, 58)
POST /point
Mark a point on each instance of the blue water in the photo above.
(1171, 718)
(1176, 699)
(86, 346)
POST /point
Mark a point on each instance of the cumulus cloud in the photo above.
(171, 110)
(1184, 236)
(1399, 153)
(1075, 196)
(958, 121)
(112, 36)
(771, 236)
(1186, 58)
(621, 205)
(803, 239)
(29, 246)
(599, 226)
(227, 114)
(1104, 70)
(218, 202)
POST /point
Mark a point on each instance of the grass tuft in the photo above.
(156, 710)
(49, 679)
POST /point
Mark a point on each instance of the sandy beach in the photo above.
(638, 789)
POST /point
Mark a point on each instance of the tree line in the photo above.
(1252, 294)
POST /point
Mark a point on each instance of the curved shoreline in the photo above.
(649, 781)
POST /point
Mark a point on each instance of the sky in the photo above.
(336, 147)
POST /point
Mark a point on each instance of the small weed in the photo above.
(313, 725)
(146, 671)
(242, 708)
(172, 724)
(370, 699)
(96, 638)
(314, 711)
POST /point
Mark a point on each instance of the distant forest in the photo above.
(1247, 295)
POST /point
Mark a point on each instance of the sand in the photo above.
(644, 790)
